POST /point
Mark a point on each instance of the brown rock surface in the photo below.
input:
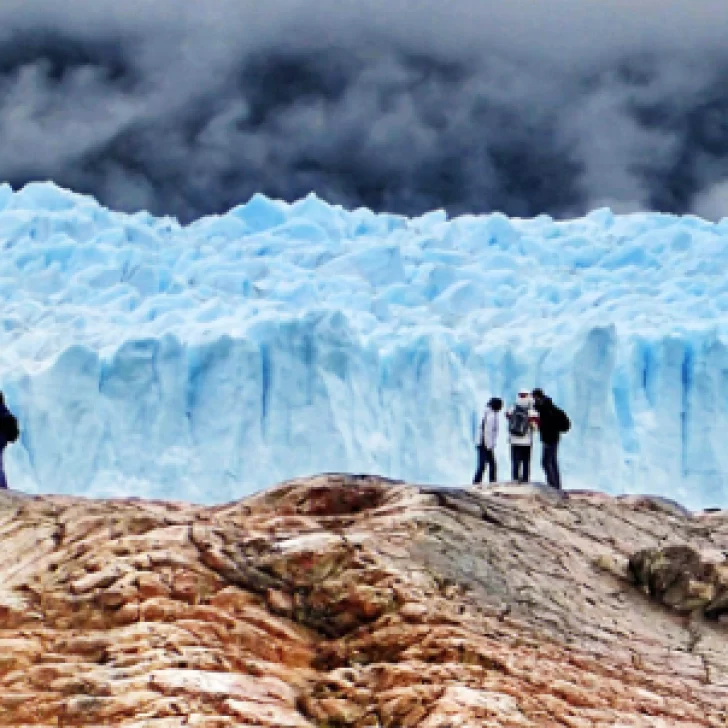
(352, 601)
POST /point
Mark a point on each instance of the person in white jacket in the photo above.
(522, 421)
(486, 441)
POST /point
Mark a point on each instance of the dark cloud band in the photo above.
(188, 108)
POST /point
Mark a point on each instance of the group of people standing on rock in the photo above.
(531, 412)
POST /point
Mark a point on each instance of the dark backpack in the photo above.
(563, 420)
(518, 421)
(9, 427)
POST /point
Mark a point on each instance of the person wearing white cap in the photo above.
(522, 421)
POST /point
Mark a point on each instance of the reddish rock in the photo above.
(355, 601)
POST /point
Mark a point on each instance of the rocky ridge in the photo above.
(354, 601)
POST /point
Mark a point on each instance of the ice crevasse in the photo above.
(206, 361)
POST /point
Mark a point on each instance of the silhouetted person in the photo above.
(8, 434)
(553, 421)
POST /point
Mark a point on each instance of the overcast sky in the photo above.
(188, 107)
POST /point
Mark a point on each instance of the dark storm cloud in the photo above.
(186, 107)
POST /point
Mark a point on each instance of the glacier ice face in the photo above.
(206, 361)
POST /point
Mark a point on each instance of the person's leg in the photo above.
(545, 461)
(3, 481)
(555, 466)
(526, 463)
(492, 468)
(520, 463)
(481, 465)
(551, 465)
(514, 463)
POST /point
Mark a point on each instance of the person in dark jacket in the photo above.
(4, 441)
(552, 423)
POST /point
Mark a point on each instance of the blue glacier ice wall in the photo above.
(206, 361)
